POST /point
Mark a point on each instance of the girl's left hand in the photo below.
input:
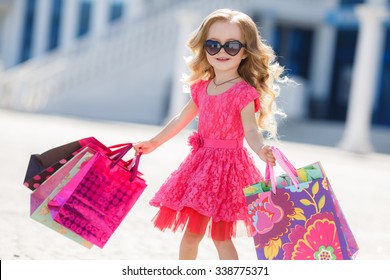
(266, 155)
(144, 147)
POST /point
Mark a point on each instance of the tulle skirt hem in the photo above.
(191, 220)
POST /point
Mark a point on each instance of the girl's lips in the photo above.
(222, 59)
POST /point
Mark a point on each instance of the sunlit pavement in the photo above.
(360, 181)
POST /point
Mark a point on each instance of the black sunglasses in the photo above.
(231, 47)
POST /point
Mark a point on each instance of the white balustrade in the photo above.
(126, 46)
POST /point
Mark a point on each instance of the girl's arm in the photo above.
(253, 135)
(174, 126)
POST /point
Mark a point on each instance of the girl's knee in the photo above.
(222, 243)
(191, 237)
(226, 249)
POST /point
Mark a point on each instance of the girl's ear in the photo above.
(245, 55)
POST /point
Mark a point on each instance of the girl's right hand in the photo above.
(266, 155)
(144, 147)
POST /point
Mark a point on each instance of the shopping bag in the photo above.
(42, 166)
(41, 194)
(39, 199)
(95, 202)
(296, 216)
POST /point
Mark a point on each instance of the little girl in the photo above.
(231, 82)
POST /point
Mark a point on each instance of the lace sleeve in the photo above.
(248, 95)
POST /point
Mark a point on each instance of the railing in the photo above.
(29, 85)
(125, 45)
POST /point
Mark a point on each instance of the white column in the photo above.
(69, 20)
(187, 23)
(267, 30)
(99, 20)
(133, 9)
(41, 27)
(365, 74)
(13, 33)
(2, 17)
(322, 65)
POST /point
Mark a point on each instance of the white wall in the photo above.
(138, 93)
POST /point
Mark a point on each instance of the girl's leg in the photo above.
(226, 250)
(223, 231)
(189, 245)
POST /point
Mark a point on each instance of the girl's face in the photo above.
(222, 62)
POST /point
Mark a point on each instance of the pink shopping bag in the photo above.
(51, 187)
(95, 202)
(50, 184)
(42, 166)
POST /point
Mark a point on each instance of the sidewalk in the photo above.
(360, 183)
(329, 134)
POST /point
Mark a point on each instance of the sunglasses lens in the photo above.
(212, 47)
(233, 48)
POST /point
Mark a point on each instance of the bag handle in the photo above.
(270, 176)
(134, 168)
(115, 149)
(286, 165)
(120, 153)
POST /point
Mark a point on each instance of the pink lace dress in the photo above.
(205, 192)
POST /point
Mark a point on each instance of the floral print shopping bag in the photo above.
(296, 216)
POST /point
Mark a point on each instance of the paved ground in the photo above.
(360, 182)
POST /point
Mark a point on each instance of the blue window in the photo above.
(27, 31)
(351, 2)
(84, 17)
(381, 115)
(293, 47)
(116, 9)
(342, 73)
(55, 22)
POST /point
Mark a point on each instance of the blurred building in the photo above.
(122, 59)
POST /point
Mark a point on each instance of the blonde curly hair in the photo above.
(259, 69)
